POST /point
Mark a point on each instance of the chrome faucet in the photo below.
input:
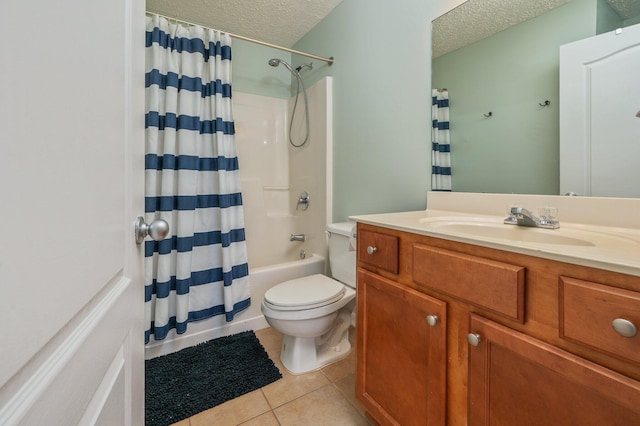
(297, 237)
(523, 217)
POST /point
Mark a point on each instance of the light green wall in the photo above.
(608, 19)
(381, 101)
(252, 74)
(516, 149)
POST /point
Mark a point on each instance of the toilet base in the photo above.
(304, 354)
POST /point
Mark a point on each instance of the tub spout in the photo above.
(297, 237)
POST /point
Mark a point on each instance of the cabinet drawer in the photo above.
(587, 311)
(378, 250)
(489, 284)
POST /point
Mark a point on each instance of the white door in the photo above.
(600, 115)
(71, 185)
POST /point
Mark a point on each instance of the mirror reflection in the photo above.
(500, 65)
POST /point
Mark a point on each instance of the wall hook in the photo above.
(489, 114)
(546, 103)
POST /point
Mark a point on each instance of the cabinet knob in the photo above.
(473, 339)
(624, 327)
(371, 249)
(432, 320)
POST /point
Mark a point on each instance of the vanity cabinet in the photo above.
(519, 340)
(402, 366)
(515, 379)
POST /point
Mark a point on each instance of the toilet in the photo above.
(314, 312)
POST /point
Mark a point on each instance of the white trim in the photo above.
(116, 370)
(329, 149)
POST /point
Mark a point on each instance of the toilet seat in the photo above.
(308, 292)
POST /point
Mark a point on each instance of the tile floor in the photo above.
(323, 397)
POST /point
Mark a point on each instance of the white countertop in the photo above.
(614, 248)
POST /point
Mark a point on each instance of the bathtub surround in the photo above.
(192, 180)
(273, 174)
(195, 379)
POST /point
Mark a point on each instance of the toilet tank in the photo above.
(342, 252)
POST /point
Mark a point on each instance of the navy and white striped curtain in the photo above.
(192, 180)
(440, 142)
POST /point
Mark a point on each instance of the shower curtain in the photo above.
(440, 143)
(192, 181)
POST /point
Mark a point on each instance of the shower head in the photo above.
(275, 62)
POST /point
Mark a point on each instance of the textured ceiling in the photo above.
(284, 22)
(478, 19)
(626, 8)
(280, 22)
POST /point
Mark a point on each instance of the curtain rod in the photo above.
(262, 43)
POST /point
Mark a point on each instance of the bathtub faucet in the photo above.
(297, 237)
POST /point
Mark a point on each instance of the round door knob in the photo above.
(371, 249)
(473, 339)
(624, 327)
(432, 320)
(157, 230)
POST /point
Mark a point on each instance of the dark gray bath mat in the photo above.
(184, 383)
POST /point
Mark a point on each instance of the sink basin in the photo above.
(506, 232)
(494, 229)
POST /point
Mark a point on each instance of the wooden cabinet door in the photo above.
(401, 367)
(515, 379)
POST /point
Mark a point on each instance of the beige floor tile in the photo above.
(234, 412)
(342, 368)
(271, 340)
(266, 419)
(184, 422)
(293, 386)
(347, 387)
(323, 407)
(324, 397)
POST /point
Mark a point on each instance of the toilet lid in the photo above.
(305, 293)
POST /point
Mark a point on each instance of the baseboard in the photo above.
(202, 332)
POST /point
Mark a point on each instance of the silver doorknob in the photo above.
(371, 249)
(157, 230)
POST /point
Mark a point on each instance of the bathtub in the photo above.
(260, 279)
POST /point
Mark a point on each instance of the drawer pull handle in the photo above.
(624, 327)
(432, 320)
(473, 339)
(371, 249)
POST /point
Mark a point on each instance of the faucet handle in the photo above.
(548, 217)
(303, 201)
(548, 213)
(511, 219)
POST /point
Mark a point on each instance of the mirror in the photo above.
(502, 76)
